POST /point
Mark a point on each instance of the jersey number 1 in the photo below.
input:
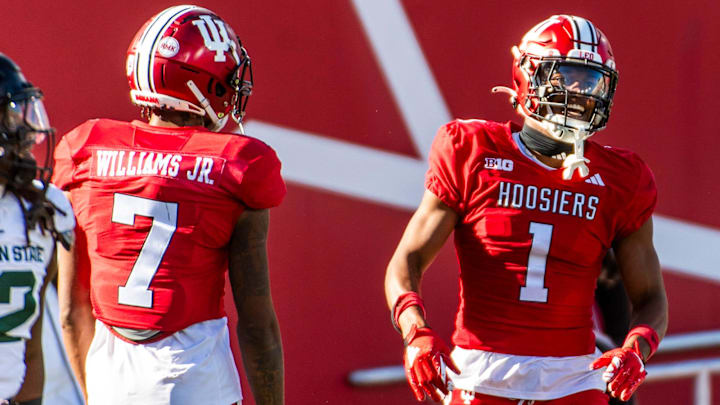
(534, 289)
(136, 291)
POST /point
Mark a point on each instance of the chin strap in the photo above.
(506, 90)
(205, 104)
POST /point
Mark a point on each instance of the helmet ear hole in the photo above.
(220, 89)
(162, 74)
(216, 88)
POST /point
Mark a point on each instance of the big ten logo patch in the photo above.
(499, 164)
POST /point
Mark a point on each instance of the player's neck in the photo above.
(542, 145)
(175, 120)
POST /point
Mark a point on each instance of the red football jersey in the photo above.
(530, 245)
(156, 208)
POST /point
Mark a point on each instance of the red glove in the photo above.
(426, 359)
(625, 371)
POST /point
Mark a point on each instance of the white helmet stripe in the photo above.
(575, 34)
(584, 32)
(148, 43)
(594, 35)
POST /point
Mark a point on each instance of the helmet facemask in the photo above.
(23, 126)
(570, 96)
(241, 86)
(570, 99)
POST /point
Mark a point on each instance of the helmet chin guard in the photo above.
(576, 134)
(577, 161)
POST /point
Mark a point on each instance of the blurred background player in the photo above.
(34, 216)
(164, 210)
(534, 210)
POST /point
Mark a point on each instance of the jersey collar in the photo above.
(524, 150)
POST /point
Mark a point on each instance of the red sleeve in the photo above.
(642, 203)
(64, 166)
(70, 168)
(258, 168)
(447, 173)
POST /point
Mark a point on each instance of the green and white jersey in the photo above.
(23, 269)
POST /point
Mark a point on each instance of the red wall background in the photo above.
(315, 71)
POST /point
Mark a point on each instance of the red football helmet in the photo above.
(564, 77)
(564, 73)
(186, 58)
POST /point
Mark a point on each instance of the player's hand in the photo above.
(426, 360)
(624, 373)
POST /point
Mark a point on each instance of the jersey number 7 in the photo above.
(136, 291)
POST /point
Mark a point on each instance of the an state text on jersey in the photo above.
(21, 253)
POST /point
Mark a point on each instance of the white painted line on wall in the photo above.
(406, 70)
(343, 167)
(687, 248)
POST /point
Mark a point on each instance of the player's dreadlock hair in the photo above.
(23, 124)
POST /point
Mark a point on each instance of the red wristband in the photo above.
(647, 333)
(404, 302)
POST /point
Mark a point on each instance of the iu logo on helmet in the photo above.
(216, 37)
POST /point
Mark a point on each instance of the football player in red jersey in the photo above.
(34, 216)
(164, 209)
(534, 210)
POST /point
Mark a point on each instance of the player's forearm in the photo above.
(424, 236)
(258, 331)
(653, 312)
(404, 273)
(32, 387)
(78, 328)
(76, 319)
(642, 276)
(34, 381)
(262, 354)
